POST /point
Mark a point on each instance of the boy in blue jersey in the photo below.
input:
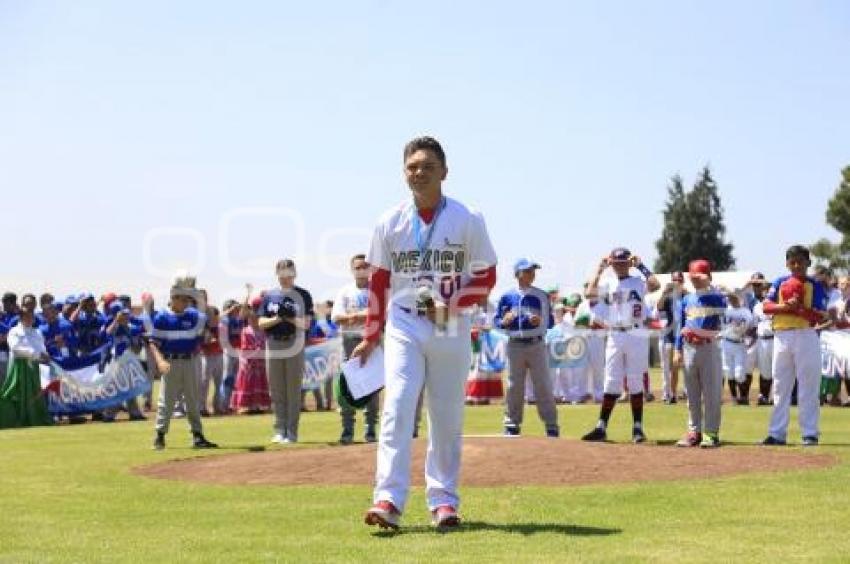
(173, 344)
(797, 302)
(700, 322)
(525, 315)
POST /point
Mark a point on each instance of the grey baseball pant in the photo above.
(180, 382)
(372, 408)
(285, 371)
(531, 359)
(212, 370)
(704, 382)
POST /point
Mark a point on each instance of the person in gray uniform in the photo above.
(524, 313)
(173, 338)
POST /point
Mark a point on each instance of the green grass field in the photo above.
(68, 495)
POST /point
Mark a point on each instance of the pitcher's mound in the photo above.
(492, 461)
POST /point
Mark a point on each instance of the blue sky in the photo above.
(137, 138)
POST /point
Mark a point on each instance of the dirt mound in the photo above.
(492, 461)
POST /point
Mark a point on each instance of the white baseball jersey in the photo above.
(736, 322)
(440, 256)
(624, 300)
(351, 299)
(762, 321)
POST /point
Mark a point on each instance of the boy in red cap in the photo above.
(700, 321)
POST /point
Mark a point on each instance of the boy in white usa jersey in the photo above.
(432, 260)
(627, 351)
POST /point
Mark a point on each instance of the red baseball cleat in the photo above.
(384, 514)
(445, 517)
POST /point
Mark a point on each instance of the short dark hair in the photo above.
(212, 310)
(798, 251)
(10, 297)
(426, 144)
(358, 256)
(46, 298)
(28, 297)
(284, 264)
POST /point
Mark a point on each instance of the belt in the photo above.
(526, 340)
(766, 337)
(741, 342)
(624, 329)
(177, 356)
(693, 339)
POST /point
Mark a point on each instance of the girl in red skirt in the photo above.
(251, 392)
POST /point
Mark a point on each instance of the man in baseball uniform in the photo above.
(524, 313)
(627, 351)
(349, 313)
(431, 260)
(591, 314)
(737, 321)
(763, 353)
(797, 303)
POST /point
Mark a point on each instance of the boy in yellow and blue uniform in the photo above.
(797, 302)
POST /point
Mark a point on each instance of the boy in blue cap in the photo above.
(525, 315)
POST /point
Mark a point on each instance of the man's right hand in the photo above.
(508, 318)
(677, 358)
(363, 350)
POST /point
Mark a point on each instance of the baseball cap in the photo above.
(699, 267)
(86, 296)
(71, 299)
(552, 289)
(757, 278)
(115, 308)
(677, 277)
(525, 264)
(620, 254)
(573, 300)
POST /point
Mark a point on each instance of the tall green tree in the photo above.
(693, 226)
(824, 251)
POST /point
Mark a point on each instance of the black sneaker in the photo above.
(772, 441)
(810, 441)
(346, 438)
(159, 441)
(553, 432)
(763, 401)
(370, 436)
(199, 441)
(638, 436)
(512, 430)
(597, 435)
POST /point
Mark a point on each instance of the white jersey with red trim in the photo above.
(442, 261)
(624, 301)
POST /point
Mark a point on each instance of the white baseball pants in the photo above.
(796, 356)
(734, 360)
(417, 357)
(626, 357)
